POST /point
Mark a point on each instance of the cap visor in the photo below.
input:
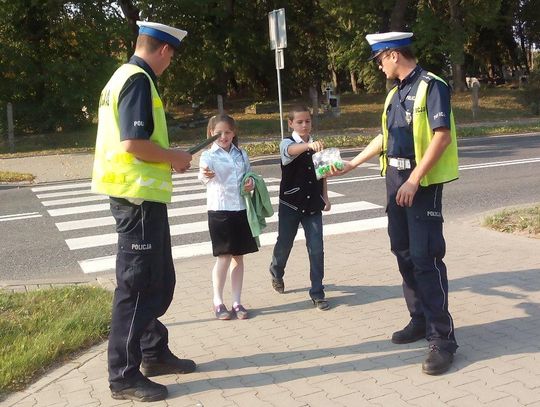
(375, 55)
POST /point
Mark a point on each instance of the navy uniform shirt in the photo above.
(135, 104)
(399, 113)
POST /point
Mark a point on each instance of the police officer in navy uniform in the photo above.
(418, 154)
(132, 165)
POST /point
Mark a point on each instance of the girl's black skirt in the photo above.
(230, 233)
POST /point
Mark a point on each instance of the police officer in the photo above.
(132, 165)
(418, 154)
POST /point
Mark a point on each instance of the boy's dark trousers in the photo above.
(289, 220)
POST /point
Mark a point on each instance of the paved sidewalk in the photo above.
(290, 354)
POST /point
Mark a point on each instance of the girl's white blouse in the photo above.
(223, 190)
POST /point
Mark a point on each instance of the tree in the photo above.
(54, 58)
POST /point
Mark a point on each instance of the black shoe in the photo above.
(411, 333)
(167, 364)
(142, 390)
(278, 284)
(321, 304)
(438, 361)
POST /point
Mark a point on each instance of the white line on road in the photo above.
(499, 164)
(186, 186)
(173, 212)
(18, 216)
(202, 226)
(197, 249)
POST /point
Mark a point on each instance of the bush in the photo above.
(532, 92)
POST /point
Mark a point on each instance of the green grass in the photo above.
(41, 327)
(9, 176)
(502, 110)
(522, 221)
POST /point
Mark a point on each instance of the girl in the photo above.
(222, 168)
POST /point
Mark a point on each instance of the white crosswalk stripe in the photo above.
(93, 238)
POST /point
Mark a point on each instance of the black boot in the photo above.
(411, 333)
(438, 361)
(142, 389)
(167, 363)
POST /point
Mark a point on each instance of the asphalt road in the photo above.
(495, 172)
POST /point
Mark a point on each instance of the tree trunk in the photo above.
(457, 56)
(335, 82)
(397, 23)
(397, 18)
(132, 16)
(354, 84)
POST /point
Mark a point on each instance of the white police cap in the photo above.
(383, 41)
(162, 32)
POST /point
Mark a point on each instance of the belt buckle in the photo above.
(401, 164)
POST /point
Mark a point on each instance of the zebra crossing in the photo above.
(88, 229)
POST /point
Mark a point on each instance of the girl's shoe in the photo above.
(222, 313)
(240, 311)
(321, 304)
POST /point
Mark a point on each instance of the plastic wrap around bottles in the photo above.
(325, 159)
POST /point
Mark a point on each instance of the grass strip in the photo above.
(9, 176)
(38, 328)
(520, 220)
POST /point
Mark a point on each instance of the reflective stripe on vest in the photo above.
(446, 168)
(116, 172)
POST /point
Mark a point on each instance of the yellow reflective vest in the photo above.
(116, 172)
(446, 168)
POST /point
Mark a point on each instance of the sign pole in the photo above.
(279, 93)
(278, 41)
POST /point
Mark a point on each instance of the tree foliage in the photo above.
(56, 55)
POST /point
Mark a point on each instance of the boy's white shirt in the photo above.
(286, 158)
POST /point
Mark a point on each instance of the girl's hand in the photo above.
(249, 185)
(207, 172)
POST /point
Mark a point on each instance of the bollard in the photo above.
(314, 96)
(11, 131)
(220, 104)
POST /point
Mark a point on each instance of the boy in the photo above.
(301, 199)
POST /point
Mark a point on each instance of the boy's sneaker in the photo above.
(142, 390)
(278, 284)
(321, 304)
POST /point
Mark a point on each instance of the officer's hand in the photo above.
(207, 172)
(334, 172)
(316, 146)
(249, 185)
(405, 194)
(181, 161)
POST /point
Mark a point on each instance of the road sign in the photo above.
(277, 29)
(278, 41)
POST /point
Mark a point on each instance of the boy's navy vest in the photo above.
(299, 188)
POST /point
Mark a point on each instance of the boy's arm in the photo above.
(299, 148)
(327, 205)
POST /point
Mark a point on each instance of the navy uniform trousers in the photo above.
(416, 239)
(145, 284)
